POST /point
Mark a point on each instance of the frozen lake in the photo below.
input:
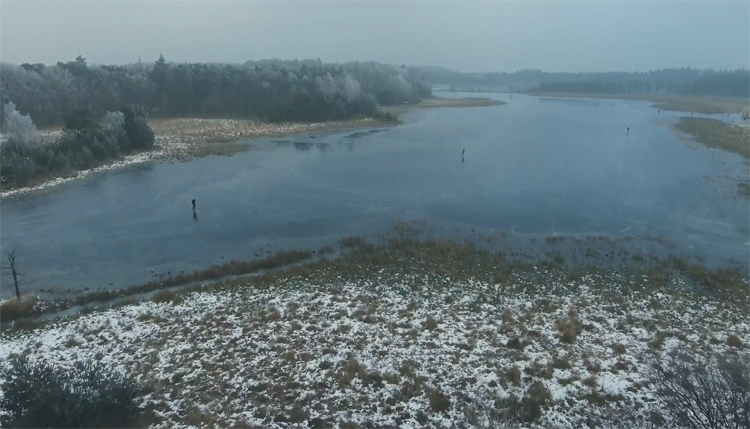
(537, 165)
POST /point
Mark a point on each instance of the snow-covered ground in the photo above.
(394, 350)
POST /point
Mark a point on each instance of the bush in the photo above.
(39, 395)
(387, 116)
(714, 394)
(138, 131)
(439, 402)
(14, 309)
(114, 125)
(489, 410)
(431, 323)
(83, 145)
(20, 129)
(18, 169)
(167, 296)
(569, 328)
(734, 341)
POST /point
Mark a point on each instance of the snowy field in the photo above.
(394, 349)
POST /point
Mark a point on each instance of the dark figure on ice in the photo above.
(628, 133)
(462, 154)
(193, 205)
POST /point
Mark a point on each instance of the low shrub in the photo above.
(86, 396)
(708, 394)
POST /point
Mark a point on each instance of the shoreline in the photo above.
(713, 134)
(721, 281)
(444, 103)
(185, 139)
(675, 103)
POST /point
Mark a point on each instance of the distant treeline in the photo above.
(273, 91)
(685, 81)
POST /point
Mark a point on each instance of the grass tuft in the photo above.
(734, 341)
(13, 309)
(431, 323)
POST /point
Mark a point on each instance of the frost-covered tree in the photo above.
(139, 133)
(114, 121)
(275, 90)
(19, 129)
(114, 125)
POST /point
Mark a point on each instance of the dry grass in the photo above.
(435, 102)
(29, 307)
(677, 103)
(13, 309)
(705, 105)
(219, 149)
(167, 296)
(569, 327)
(717, 134)
(734, 341)
(658, 340)
(512, 376)
(299, 414)
(517, 344)
(591, 382)
(192, 137)
(461, 261)
(439, 102)
(430, 323)
(439, 403)
(353, 241)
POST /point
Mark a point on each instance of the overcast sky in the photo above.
(476, 36)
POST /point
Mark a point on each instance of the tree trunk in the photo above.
(11, 256)
(15, 282)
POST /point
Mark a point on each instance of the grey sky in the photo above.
(476, 36)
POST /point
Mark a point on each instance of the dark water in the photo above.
(536, 166)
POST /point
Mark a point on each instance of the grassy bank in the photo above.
(412, 333)
(187, 138)
(717, 134)
(459, 261)
(438, 102)
(677, 103)
(184, 139)
(11, 310)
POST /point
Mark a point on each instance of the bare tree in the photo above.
(710, 394)
(11, 257)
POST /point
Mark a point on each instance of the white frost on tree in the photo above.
(114, 121)
(19, 129)
(344, 86)
(350, 88)
(326, 86)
